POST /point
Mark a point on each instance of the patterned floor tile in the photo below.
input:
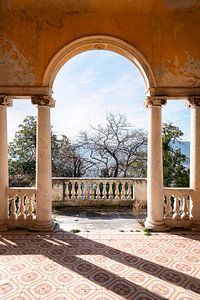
(106, 295)
(42, 289)
(183, 267)
(61, 295)
(29, 277)
(185, 296)
(64, 278)
(117, 268)
(99, 266)
(138, 277)
(102, 277)
(194, 286)
(142, 295)
(123, 288)
(82, 289)
(8, 289)
(161, 288)
(163, 260)
(21, 296)
(174, 277)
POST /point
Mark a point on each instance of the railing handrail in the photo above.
(21, 190)
(97, 178)
(177, 188)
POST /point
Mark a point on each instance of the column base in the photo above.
(3, 226)
(44, 226)
(156, 225)
(195, 226)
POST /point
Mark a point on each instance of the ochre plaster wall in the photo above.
(166, 32)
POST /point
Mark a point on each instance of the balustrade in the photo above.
(177, 202)
(98, 189)
(22, 206)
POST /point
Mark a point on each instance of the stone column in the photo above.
(5, 101)
(194, 104)
(155, 165)
(44, 220)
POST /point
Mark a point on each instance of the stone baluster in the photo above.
(176, 214)
(104, 192)
(73, 191)
(5, 102)
(67, 195)
(30, 208)
(98, 192)
(184, 215)
(91, 190)
(123, 191)
(155, 219)
(21, 215)
(194, 103)
(13, 215)
(79, 190)
(168, 214)
(44, 221)
(129, 190)
(117, 193)
(85, 187)
(110, 191)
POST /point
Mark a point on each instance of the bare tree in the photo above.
(116, 149)
(66, 159)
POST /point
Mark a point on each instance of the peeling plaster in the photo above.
(187, 74)
(173, 4)
(15, 68)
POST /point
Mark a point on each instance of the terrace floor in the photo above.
(99, 265)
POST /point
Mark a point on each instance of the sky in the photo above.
(92, 84)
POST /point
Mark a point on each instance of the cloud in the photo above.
(174, 111)
(16, 114)
(98, 84)
(91, 84)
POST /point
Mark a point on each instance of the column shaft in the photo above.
(44, 220)
(195, 163)
(155, 168)
(195, 148)
(3, 168)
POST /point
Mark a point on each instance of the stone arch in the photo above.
(99, 42)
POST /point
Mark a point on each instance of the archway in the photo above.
(155, 181)
(43, 190)
(99, 42)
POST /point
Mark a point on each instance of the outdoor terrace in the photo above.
(100, 265)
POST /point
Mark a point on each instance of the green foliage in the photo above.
(175, 173)
(147, 231)
(22, 155)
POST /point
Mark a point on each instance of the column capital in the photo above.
(43, 100)
(192, 101)
(155, 101)
(5, 100)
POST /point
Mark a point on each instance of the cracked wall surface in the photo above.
(166, 32)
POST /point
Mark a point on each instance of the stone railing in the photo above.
(93, 191)
(177, 207)
(21, 206)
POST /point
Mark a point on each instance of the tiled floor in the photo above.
(99, 266)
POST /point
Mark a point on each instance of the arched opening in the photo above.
(99, 189)
(99, 42)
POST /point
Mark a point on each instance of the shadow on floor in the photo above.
(88, 257)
